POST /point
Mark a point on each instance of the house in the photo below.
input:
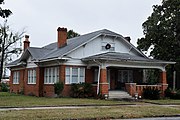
(103, 58)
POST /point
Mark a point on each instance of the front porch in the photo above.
(123, 71)
(130, 80)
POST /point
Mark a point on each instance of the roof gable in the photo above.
(76, 42)
(52, 51)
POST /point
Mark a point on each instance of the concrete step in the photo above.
(119, 95)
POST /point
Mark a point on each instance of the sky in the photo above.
(41, 18)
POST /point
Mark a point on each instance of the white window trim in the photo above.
(70, 81)
(32, 76)
(50, 81)
(16, 77)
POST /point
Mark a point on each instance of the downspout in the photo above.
(98, 79)
(99, 64)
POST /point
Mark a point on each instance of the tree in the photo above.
(71, 34)
(4, 13)
(8, 39)
(162, 33)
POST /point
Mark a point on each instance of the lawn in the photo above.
(119, 109)
(164, 102)
(95, 112)
(15, 100)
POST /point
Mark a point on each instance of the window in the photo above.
(75, 75)
(16, 77)
(108, 46)
(32, 76)
(51, 75)
(125, 76)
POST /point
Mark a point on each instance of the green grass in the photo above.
(97, 112)
(164, 101)
(15, 100)
(117, 111)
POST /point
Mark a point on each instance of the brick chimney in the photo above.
(128, 38)
(62, 36)
(26, 42)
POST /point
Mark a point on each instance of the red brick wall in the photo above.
(17, 88)
(31, 89)
(40, 78)
(41, 89)
(163, 77)
(48, 90)
(131, 88)
(103, 82)
(67, 88)
(62, 36)
(89, 75)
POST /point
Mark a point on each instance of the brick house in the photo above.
(103, 58)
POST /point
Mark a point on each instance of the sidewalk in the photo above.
(77, 106)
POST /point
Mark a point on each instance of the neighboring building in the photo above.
(103, 58)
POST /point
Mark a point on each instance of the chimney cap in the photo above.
(128, 38)
(62, 29)
(26, 36)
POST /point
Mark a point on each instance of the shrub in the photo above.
(172, 94)
(4, 87)
(58, 88)
(81, 90)
(149, 93)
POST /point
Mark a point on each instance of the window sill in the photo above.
(72, 83)
(31, 83)
(15, 83)
(48, 83)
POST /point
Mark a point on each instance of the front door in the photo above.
(124, 76)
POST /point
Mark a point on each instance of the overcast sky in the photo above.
(41, 18)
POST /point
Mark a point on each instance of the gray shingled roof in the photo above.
(116, 56)
(52, 51)
(38, 53)
(76, 42)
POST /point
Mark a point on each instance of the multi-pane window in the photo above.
(75, 75)
(108, 46)
(125, 76)
(16, 77)
(32, 76)
(51, 75)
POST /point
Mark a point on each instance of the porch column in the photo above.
(163, 82)
(103, 84)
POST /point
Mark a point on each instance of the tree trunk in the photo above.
(2, 55)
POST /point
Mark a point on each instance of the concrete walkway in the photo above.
(156, 118)
(74, 107)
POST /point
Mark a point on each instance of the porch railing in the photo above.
(133, 88)
(139, 88)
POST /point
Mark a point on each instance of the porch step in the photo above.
(119, 95)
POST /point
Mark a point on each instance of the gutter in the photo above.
(51, 59)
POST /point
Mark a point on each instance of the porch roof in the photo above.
(116, 56)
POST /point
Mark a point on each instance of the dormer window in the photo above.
(108, 46)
